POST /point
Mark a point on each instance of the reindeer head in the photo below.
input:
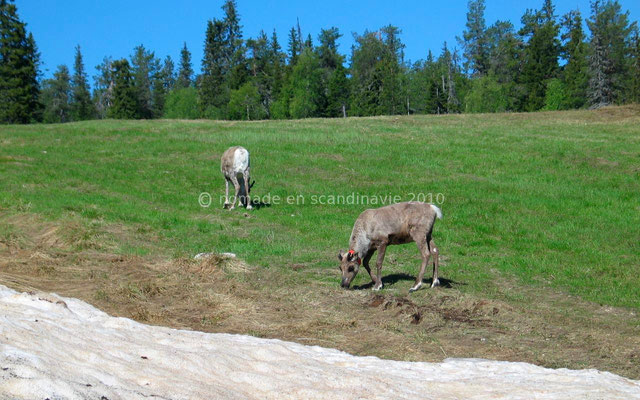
(349, 265)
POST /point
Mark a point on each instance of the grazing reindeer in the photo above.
(234, 162)
(400, 223)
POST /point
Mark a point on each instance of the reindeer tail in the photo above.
(437, 211)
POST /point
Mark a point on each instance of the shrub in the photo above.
(182, 104)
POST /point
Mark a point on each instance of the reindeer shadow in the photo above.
(392, 279)
(256, 203)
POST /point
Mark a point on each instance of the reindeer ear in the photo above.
(350, 256)
(340, 256)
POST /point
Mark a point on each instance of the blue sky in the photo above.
(114, 28)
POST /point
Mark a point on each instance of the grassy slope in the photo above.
(546, 199)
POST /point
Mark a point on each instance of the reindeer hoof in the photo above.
(225, 206)
(376, 288)
(415, 287)
(249, 207)
(435, 283)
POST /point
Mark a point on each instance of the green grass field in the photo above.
(539, 242)
(546, 199)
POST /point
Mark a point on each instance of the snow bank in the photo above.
(61, 348)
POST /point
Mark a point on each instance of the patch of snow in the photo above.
(48, 350)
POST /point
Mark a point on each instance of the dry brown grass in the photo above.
(219, 294)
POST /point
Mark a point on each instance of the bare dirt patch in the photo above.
(218, 294)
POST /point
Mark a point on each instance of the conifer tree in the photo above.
(338, 93)
(278, 64)
(235, 51)
(163, 82)
(185, 71)
(505, 65)
(214, 92)
(81, 106)
(125, 97)
(541, 53)
(330, 61)
(611, 52)
(103, 84)
(575, 73)
(19, 61)
(635, 68)
(294, 46)
(600, 92)
(143, 68)
(474, 40)
(261, 71)
(56, 96)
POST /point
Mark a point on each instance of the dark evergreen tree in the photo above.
(611, 36)
(600, 91)
(143, 68)
(234, 48)
(330, 61)
(19, 61)
(338, 93)
(212, 87)
(474, 40)
(391, 68)
(261, 72)
(125, 96)
(185, 71)
(575, 71)
(433, 100)
(295, 46)
(163, 82)
(418, 87)
(541, 53)
(366, 54)
(278, 64)
(56, 96)
(505, 65)
(635, 68)
(81, 106)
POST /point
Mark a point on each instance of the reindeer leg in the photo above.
(245, 175)
(365, 263)
(424, 252)
(381, 250)
(236, 185)
(434, 253)
(226, 193)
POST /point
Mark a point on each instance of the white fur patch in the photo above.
(437, 211)
(435, 250)
(240, 160)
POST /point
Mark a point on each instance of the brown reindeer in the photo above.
(235, 162)
(399, 223)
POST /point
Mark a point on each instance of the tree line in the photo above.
(550, 63)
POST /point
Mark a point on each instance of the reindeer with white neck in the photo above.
(235, 162)
(399, 223)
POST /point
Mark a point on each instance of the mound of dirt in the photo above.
(53, 347)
